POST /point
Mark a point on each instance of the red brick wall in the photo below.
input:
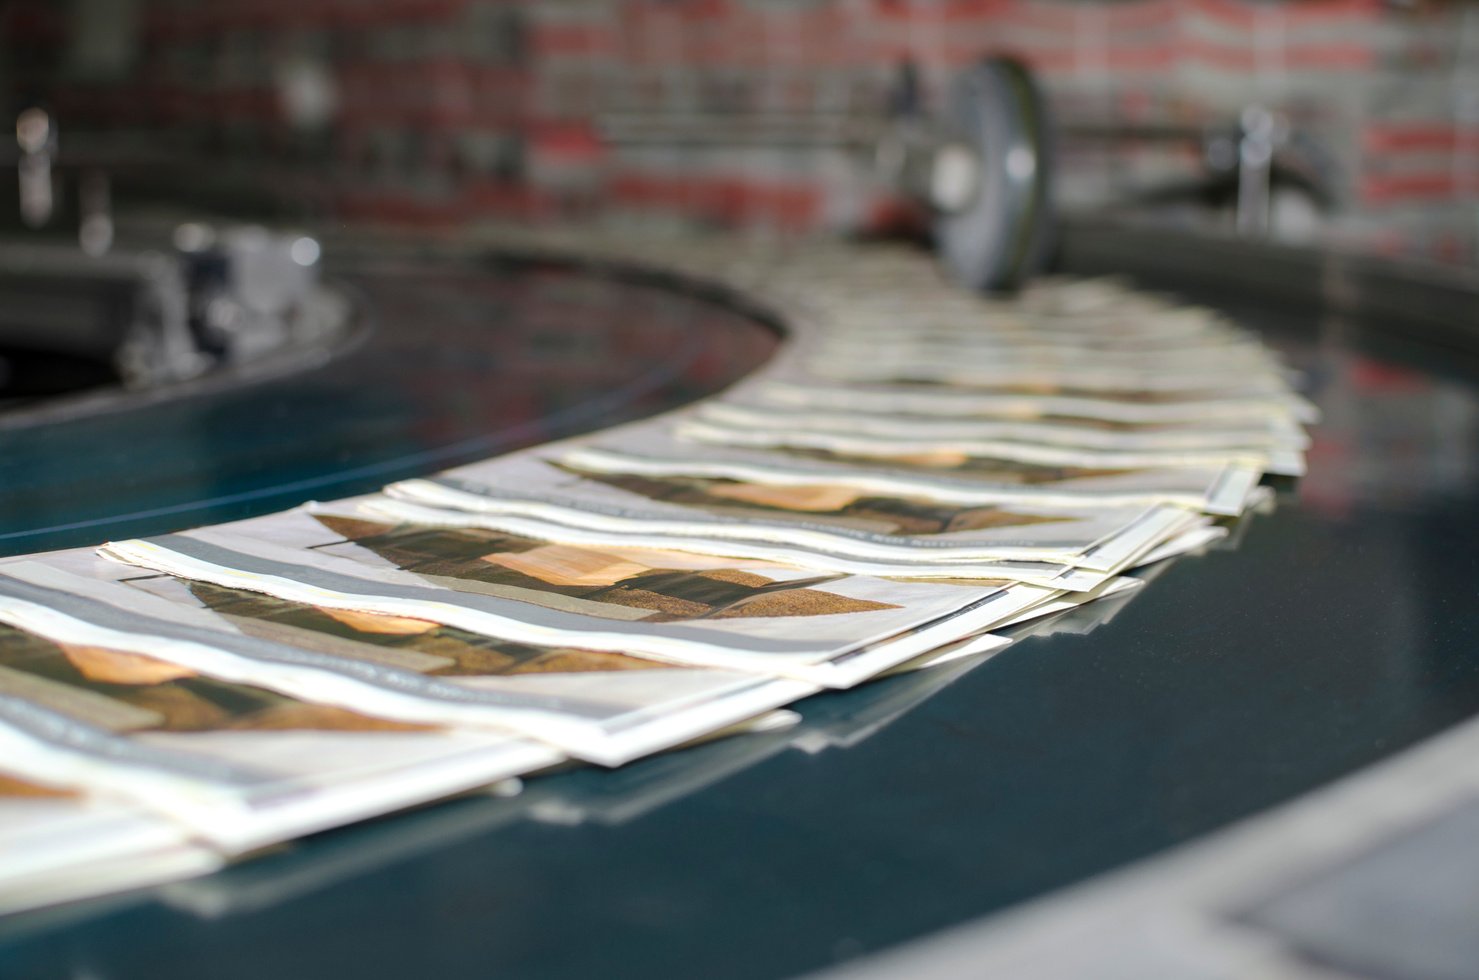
(452, 110)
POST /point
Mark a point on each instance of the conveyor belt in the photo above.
(1338, 630)
(452, 362)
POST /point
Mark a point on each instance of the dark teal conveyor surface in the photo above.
(447, 361)
(1332, 632)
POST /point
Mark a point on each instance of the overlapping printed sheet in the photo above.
(919, 468)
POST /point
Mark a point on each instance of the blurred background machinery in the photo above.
(449, 112)
(1352, 123)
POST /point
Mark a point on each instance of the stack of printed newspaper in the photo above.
(918, 468)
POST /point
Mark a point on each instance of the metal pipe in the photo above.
(36, 136)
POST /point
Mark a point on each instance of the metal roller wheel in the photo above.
(991, 179)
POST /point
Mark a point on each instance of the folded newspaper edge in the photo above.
(1084, 375)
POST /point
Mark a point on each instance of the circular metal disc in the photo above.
(1001, 234)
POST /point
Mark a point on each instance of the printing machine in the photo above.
(201, 370)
